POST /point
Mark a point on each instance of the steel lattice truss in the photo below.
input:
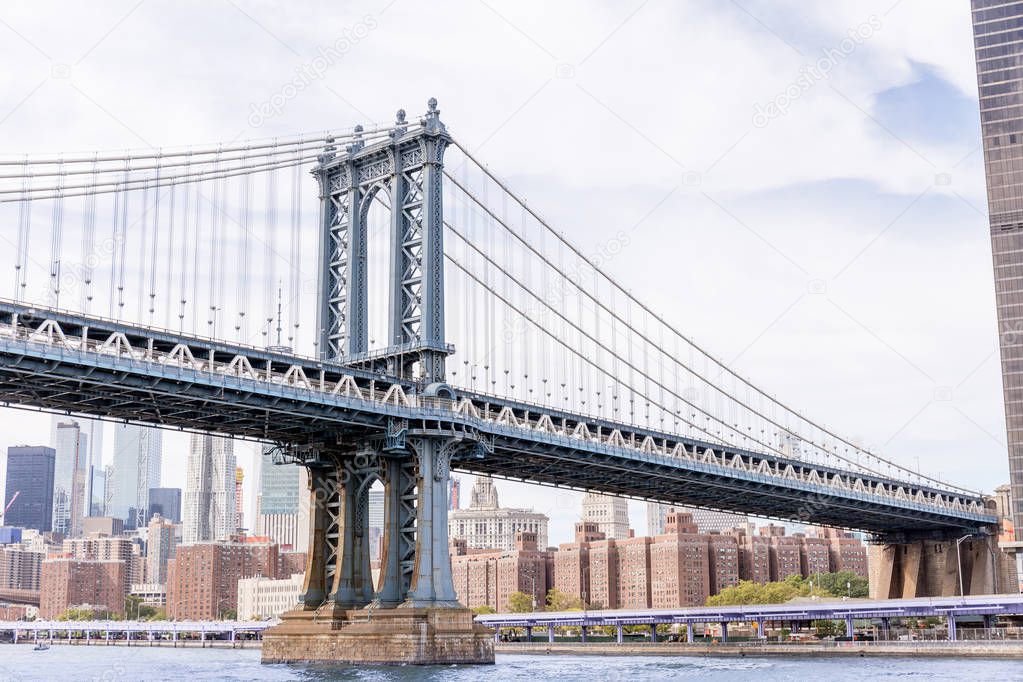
(73, 363)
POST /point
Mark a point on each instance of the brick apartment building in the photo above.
(20, 569)
(67, 582)
(202, 579)
(489, 578)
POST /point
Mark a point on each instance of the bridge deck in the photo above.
(63, 362)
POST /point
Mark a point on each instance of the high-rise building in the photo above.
(611, 514)
(67, 582)
(160, 546)
(209, 496)
(202, 579)
(166, 502)
(30, 477)
(283, 503)
(998, 41)
(239, 498)
(97, 490)
(487, 525)
(138, 458)
(70, 479)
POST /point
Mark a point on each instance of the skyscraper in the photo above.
(70, 478)
(998, 40)
(611, 514)
(166, 502)
(283, 513)
(138, 457)
(209, 498)
(30, 475)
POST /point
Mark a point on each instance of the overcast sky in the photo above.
(803, 180)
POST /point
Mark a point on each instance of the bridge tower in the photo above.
(411, 615)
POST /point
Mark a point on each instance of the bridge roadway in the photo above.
(88, 365)
(986, 606)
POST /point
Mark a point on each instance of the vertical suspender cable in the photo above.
(156, 242)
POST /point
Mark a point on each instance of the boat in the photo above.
(41, 647)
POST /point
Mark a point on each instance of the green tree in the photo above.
(520, 602)
(559, 601)
(484, 609)
(827, 628)
(843, 583)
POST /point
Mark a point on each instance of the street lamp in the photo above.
(959, 560)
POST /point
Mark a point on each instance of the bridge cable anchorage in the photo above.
(829, 452)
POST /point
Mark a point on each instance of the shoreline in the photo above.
(994, 650)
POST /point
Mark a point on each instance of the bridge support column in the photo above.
(932, 568)
(724, 632)
(322, 483)
(850, 629)
(415, 616)
(352, 587)
(690, 634)
(582, 633)
(951, 627)
(619, 633)
(886, 628)
(653, 632)
(550, 634)
(529, 633)
(398, 543)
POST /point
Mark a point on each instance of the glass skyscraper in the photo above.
(998, 41)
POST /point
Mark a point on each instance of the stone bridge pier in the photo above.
(411, 615)
(934, 568)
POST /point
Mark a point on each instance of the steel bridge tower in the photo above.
(415, 593)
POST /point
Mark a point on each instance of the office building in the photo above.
(102, 525)
(209, 510)
(166, 502)
(262, 597)
(455, 493)
(30, 470)
(239, 499)
(998, 41)
(484, 524)
(611, 514)
(138, 458)
(70, 479)
(283, 503)
(98, 490)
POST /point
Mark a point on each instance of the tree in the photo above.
(520, 602)
(749, 592)
(484, 609)
(844, 583)
(559, 601)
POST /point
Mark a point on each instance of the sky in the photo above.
(802, 182)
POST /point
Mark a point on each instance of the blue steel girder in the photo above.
(63, 362)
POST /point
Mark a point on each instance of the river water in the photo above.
(20, 662)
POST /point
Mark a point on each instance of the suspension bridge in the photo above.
(443, 324)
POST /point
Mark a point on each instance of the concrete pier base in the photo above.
(400, 636)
